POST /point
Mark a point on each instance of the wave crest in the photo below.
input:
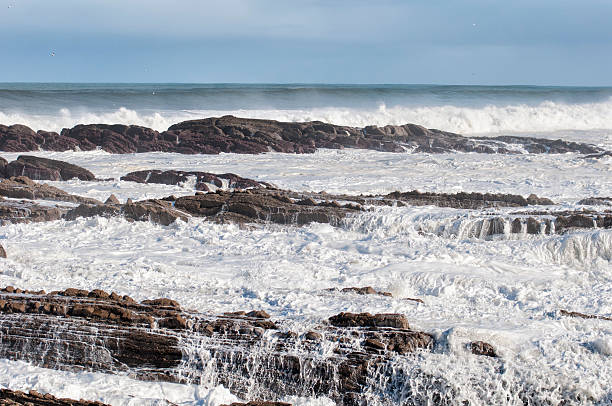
(521, 118)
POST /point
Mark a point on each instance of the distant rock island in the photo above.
(253, 136)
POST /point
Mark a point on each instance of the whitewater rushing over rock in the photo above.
(166, 258)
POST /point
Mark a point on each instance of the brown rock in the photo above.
(368, 320)
(2, 252)
(112, 199)
(482, 348)
(37, 168)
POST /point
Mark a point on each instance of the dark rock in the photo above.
(155, 341)
(3, 163)
(258, 314)
(482, 348)
(22, 187)
(203, 180)
(259, 404)
(112, 199)
(15, 398)
(368, 320)
(260, 205)
(367, 290)
(16, 211)
(535, 200)
(163, 302)
(596, 201)
(253, 136)
(583, 315)
(156, 211)
(2, 252)
(46, 169)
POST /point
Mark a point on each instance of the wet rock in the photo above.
(112, 199)
(2, 252)
(253, 136)
(482, 348)
(156, 211)
(23, 211)
(260, 205)
(22, 187)
(367, 290)
(533, 199)
(583, 315)
(118, 139)
(596, 201)
(204, 181)
(258, 314)
(95, 331)
(3, 163)
(163, 303)
(459, 200)
(37, 168)
(14, 398)
(369, 320)
(258, 404)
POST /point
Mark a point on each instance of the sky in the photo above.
(540, 42)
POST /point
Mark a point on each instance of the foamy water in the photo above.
(507, 291)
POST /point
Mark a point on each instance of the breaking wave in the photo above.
(520, 118)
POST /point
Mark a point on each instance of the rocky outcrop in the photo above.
(482, 348)
(37, 168)
(366, 290)
(22, 187)
(253, 136)
(34, 398)
(19, 138)
(2, 252)
(25, 211)
(583, 315)
(156, 211)
(204, 181)
(464, 200)
(596, 201)
(261, 205)
(253, 356)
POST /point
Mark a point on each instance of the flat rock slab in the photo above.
(252, 355)
(253, 136)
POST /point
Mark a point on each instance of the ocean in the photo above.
(507, 289)
(461, 109)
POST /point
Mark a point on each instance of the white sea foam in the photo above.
(563, 120)
(506, 291)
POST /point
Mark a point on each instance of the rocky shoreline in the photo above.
(249, 353)
(349, 357)
(253, 136)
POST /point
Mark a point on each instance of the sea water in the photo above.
(506, 290)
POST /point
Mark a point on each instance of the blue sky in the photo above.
(557, 42)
